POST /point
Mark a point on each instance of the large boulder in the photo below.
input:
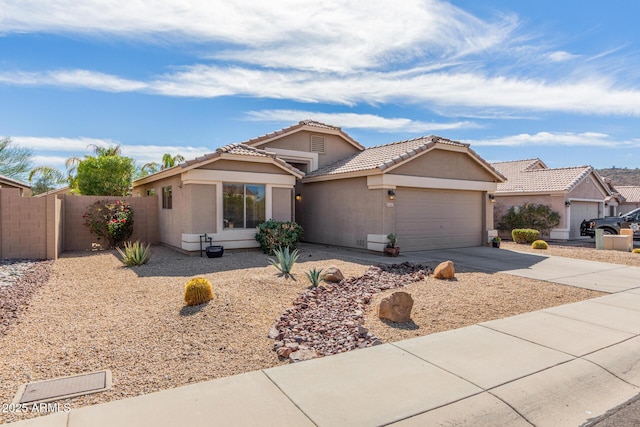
(445, 270)
(396, 307)
(333, 274)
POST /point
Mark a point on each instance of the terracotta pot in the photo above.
(394, 252)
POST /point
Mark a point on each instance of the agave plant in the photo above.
(284, 261)
(135, 253)
(315, 276)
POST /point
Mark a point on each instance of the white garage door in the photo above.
(433, 219)
(580, 211)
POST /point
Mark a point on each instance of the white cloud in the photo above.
(44, 147)
(356, 121)
(334, 35)
(73, 79)
(561, 56)
(573, 139)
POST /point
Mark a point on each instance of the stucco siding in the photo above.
(281, 204)
(341, 212)
(336, 148)
(439, 163)
(588, 188)
(503, 203)
(203, 208)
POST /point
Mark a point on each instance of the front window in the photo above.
(244, 205)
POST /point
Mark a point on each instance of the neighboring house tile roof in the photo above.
(384, 156)
(13, 182)
(299, 125)
(631, 193)
(526, 176)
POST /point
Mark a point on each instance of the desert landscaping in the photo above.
(93, 313)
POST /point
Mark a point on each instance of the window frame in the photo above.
(243, 226)
(167, 197)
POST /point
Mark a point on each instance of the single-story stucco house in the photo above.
(576, 193)
(631, 197)
(6, 182)
(431, 192)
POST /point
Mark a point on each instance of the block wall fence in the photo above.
(44, 227)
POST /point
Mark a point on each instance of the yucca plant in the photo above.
(198, 291)
(285, 258)
(315, 276)
(135, 253)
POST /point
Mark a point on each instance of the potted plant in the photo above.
(495, 242)
(392, 249)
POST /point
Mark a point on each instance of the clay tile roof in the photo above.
(630, 192)
(311, 123)
(241, 150)
(383, 156)
(527, 176)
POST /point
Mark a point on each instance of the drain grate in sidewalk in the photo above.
(63, 388)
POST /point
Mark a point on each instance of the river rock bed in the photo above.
(329, 319)
(19, 280)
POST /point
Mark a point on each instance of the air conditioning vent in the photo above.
(317, 144)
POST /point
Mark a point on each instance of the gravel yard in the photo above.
(95, 314)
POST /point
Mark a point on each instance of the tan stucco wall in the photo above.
(281, 203)
(336, 148)
(203, 214)
(232, 165)
(503, 203)
(587, 189)
(171, 222)
(439, 163)
(341, 212)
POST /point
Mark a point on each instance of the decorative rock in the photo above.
(396, 307)
(302, 355)
(273, 332)
(284, 352)
(333, 274)
(444, 270)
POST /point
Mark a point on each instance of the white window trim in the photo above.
(295, 156)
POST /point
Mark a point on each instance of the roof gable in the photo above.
(309, 125)
(384, 158)
(232, 151)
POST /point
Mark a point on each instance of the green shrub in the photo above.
(284, 261)
(198, 291)
(531, 216)
(315, 276)
(539, 244)
(110, 220)
(135, 253)
(525, 235)
(274, 235)
(636, 251)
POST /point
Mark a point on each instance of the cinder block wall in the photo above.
(23, 225)
(44, 227)
(77, 236)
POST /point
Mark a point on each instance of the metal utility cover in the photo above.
(63, 388)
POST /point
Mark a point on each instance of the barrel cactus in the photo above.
(539, 244)
(198, 291)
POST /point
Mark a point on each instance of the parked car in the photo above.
(613, 224)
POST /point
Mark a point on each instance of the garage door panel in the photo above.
(430, 219)
(579, 212)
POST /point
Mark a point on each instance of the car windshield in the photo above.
(633, 212)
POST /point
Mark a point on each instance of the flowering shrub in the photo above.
(110, 220)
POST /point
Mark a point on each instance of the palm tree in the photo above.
(46, 179)
(169, 161)
(99, 151)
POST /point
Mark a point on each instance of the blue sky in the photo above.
(548, 79)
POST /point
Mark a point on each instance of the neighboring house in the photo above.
(431, 192)
(577, 193)
(56, 191)
(631, 195)
(6, 182)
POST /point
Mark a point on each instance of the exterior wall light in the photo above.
(567, 203)
(298, 197)
(391, 194)
(492, 198)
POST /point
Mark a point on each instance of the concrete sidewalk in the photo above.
(555, 367)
